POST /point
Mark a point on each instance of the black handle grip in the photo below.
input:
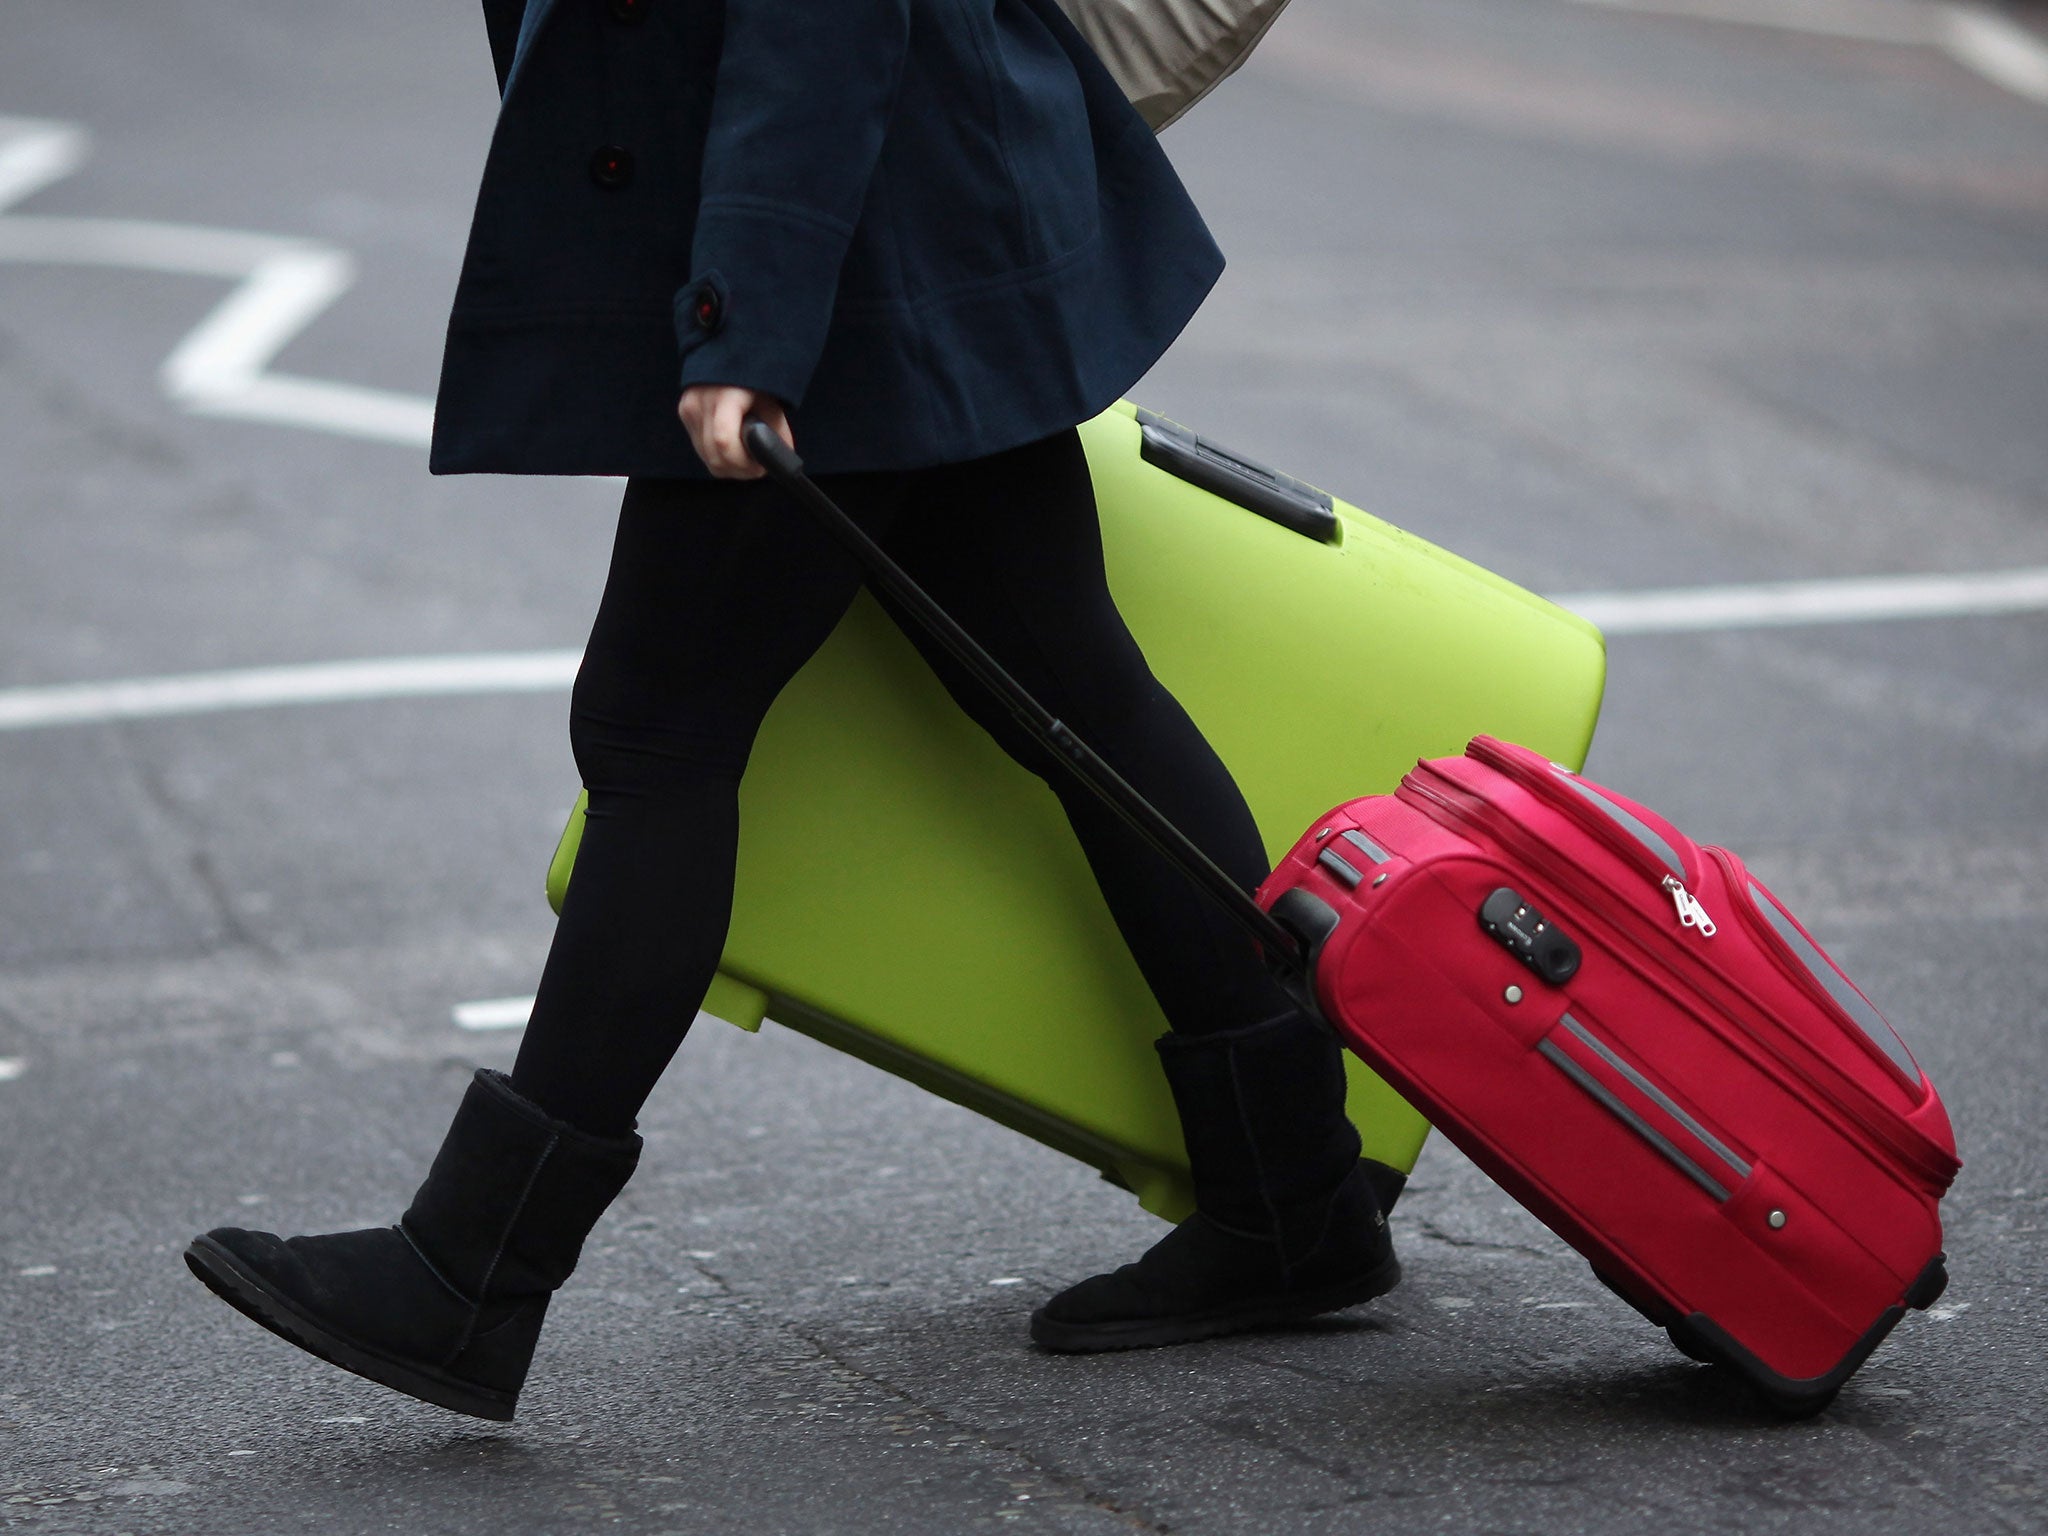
(771, 452)
(787, 470)
(1281, 498)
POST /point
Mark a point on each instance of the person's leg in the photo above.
(717, 594)
(1287, 1225)
(1010, 546)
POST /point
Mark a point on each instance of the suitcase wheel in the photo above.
(1691, 1345)
(1926, 1290)
(1801, 1405)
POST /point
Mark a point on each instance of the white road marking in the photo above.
(184, 250)
(346, 410)
(11, 1067)
(35, 153)
(494, 1013)
(1998, 48)
(1975, 36)
(145, 1487)
(221, 367)
(1841, 600)
(1872, 21)
(259, 687)
(1835, 601)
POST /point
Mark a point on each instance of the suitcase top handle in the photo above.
(1292, 503)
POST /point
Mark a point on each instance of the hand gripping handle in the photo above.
(1282, 949)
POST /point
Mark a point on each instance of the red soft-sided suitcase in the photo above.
(1632, 1036)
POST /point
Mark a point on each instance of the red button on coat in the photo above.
(706, 311)
(611, 166)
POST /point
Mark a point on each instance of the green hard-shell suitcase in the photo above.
(948, 930)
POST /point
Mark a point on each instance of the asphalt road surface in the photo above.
(1612, 302)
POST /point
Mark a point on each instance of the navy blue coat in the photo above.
(934, 228)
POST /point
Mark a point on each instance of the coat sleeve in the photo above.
(804, 92)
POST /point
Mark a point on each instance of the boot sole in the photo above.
(252, 1296)
(1272, 1312)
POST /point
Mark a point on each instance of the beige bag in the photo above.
(1169, 54)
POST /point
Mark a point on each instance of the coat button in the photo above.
(611, 166)
(706, 311)
(630, 10)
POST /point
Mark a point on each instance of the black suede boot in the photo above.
(447, 1305)
(1286, 1223)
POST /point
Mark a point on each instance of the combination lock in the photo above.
(1528, 935)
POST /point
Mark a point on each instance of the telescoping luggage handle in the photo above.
(1282, 948)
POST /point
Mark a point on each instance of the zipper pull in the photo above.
(1690, 912)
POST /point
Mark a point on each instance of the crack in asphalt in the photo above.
(1074, 1488)
(1358, 1482)
(1435, 1233)
(173, 823)
(128, 438)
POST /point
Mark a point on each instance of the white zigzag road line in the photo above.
(494, 1013)
(221, 367)
(1975, 36)
(1998, 48)
(34, 153)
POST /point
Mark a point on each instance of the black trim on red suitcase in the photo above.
(1700, 1337)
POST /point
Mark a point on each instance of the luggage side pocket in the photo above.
(1784, 938)
(1893, 1099)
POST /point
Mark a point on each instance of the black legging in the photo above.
(718, 592)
